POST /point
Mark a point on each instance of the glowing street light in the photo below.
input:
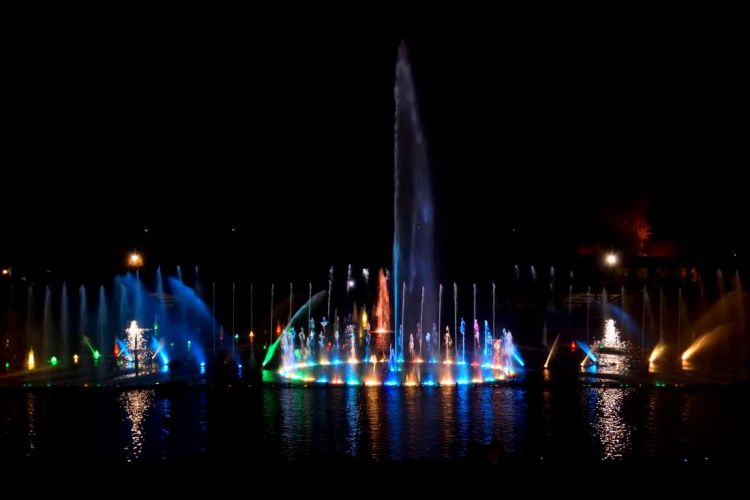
(135, 260)
(611, 259)
(6, 271)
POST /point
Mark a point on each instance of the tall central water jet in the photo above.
(413, 211)
(349, 358)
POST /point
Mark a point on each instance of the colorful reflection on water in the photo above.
(503, 423)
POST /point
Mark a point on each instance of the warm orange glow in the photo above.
(365, 325)
(135, 260)
(699, 344)
(6, 272)
(656, 353)
(278, 328)
(411, 380)
(383, 304)
(75, 359)
(583, 363)
(31, 364)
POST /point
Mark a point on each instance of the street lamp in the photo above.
(135, 260)
(611, 259)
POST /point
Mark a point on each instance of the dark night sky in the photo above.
(285, 133)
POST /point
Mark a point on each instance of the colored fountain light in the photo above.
(79, 333)
(552, 351)
(656, 353)
(589, 353)
(306, 355)
(383, 305)
(402, 349)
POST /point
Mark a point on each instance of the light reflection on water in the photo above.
(373, 408)
(608, 422)
(353, 409)
(379, 423)
(394, 416)
(31, 424)
(406, 423)
(136, 405)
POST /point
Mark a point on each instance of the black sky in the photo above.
(284, 132)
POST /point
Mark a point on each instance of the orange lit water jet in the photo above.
(383, 305)
(656, 353)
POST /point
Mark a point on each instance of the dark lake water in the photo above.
(516, 424)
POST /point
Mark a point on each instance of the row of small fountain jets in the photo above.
(357, 358)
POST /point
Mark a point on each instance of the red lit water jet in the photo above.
(383, 306)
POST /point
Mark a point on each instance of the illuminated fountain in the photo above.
(130, 331)
(552, 351)
(135, 342)
(413, 211)
(364, 356)
(699, 345)
(610, 353)
(382, 306)
(31, 362)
